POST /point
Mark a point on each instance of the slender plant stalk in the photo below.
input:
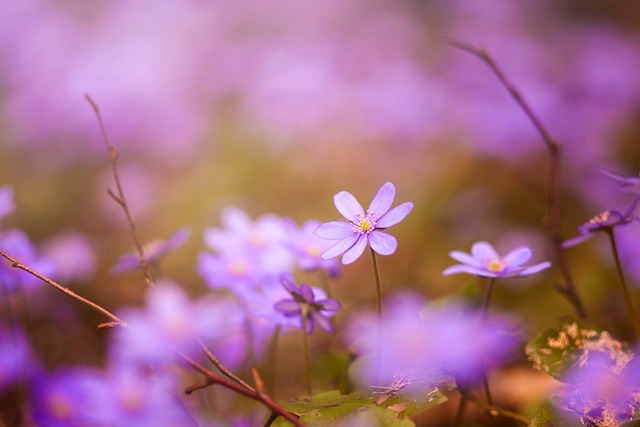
(305, 348)
(376, 272)
(273, 349)
(462, 407)
(487, 298)
(623, 283)
(569, 290)
(213, 359)
(119, 197)
(496, 410)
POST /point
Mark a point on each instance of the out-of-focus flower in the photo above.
(308, 248)
(308, 302)
(154, 251)
(16, 360)
(606, 220)
(362, 228)
(72, 255)
(484, 261)
(628, 184)
(16, 243)
(7, 204)
(422, 342)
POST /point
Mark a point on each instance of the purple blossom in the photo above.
(7, 204)
(603, 221)
(484, 261)
(363, 227)
(72, 255)
(307, 300)
(628, 184)
(16, 243)
(16, 360)
(153, 251)
(308, 248)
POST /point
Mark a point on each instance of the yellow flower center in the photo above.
(365, 224)
(238, 268)
(495, 265)
(600, 218)
(313, 251)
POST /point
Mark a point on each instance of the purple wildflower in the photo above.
(628, 184)
(72, 255)
(307, 300)
(15, 242)
(7, 205)
(153, 251)
(308, 248)
(363, 227)
(603, 221)
(484, 261)
(16, 360)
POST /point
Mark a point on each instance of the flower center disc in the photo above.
(366, 224)
(495, 265)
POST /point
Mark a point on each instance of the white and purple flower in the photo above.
(362, 228)
(484, 261)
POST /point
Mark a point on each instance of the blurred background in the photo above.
(275, 107)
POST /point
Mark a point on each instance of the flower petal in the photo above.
(331, 306)
(306, 292)
(341, 247)
(577, 240)
(461, 268)
(395, 215)
(517, 257)
(289, 283)
(535, 268)
(383, 199)
(348, 205)
(383, 243)
(482, 250)
(288, 307)
(354, 252)
(465, 258)
(322, 321)
(334, 230)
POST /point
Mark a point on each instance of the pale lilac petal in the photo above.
(517, 257)
(383, 199)
(341, 247)
(334, 230)
(288, 307)
(289, 283)
(461, 268)
(535, 268)
(577, 240)
(310, 324)
(483, 250)
(395, 215)
(383, 243)
(306, 292)
(354, 252)
(322, 321)
(329, 305)
(465, 258)
(619, 177)
(348, 205)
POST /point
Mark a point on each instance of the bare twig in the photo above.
(569, 289)
(17, 264)
(496, 410)
(119, 197)
(213, 359)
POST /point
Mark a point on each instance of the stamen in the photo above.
(365, 225)
(600, 218)
(495, 265)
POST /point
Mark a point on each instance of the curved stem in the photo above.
(623, 283)
(487, 298)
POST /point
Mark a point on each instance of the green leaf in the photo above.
(329, 370)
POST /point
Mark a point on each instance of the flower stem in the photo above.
(487, 298)
(623, 283)
(305, 348)
(376, 272)
(462, 407)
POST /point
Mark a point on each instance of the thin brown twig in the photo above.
(119, 198)
(569, 291)
(496, 410)
(213, 359)
(17, 264)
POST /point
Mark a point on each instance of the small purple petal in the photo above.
(616, 176)
(383, 199)
(330, 305)
(334, 230)
(460, 268)
(341, 247)
(395, 215)
(535, 268)
(289, 283)
(348, 205)
(322, 321)
(517, 257)
(383, 243)
(465, 258)
(483, 250)
(306, 292)
(288, 307)
(354, 252)
(310, 324)
(577, 239)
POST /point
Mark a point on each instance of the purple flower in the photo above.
(629, 184)
(153, 251)
(303, 302)
(484, 261)
(603, 221)
(15, 242)
(363, 227)
(7, 205)
(16, 360)
(308, 248)
(72, 255)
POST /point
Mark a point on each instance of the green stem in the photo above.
(623, 283)
(376, 272)
(305, 348)
(487, 298)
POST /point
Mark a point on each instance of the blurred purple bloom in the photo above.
(153, 251)
(237, 271)
(603, 221)
(630, 184)
(16, 360)
(7, 204)
(305, 299)
(72, 255)
(308, 248)
(484, 261)
(422, 342)
(363, 227)
(16, 243)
